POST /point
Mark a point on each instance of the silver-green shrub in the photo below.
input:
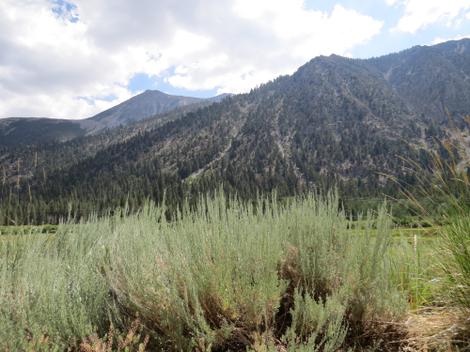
(227, 276)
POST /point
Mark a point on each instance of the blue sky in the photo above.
(75, 58)
(388, 41)
(142, 81)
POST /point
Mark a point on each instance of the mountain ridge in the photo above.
(139, 107)
(150, 103)
(334, 122)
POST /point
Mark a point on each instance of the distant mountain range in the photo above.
(335, 121)
(16, 131)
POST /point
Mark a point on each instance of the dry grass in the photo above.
(439, 329)
(132, 341)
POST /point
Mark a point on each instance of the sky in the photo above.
(75, 58)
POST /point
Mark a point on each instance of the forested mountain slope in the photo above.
(433, 81)
(336, 121)
(20, 131)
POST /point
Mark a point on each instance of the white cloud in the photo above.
(49, 60)
(419, 14)
(439, 40)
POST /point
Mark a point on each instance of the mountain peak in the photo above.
(153, 92)
(139, 107)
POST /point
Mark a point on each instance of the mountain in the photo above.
(432, 80)
(140, 107)
(335, 121)
(18, 131)
(28, 131)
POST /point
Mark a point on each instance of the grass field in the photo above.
(27, 230)
(296, 277)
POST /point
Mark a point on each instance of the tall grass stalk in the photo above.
(443, 196)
